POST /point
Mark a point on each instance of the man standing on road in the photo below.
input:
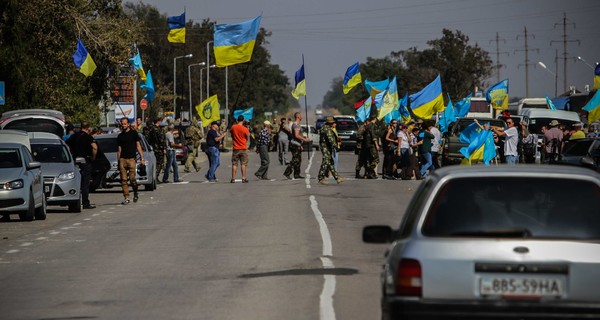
(296, 148)
(128, 143)
(193, 135)
(262, 147)
(156, 138)
(239, 136)
(171, 159)
(213, 146)
(435, 147)
(327, 143)
(83, 145)
(371, 144)
(511, 154)
(283, 141)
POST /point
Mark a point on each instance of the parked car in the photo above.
(62, 180)
(312, 134)
(21, 183)
(34, 120)
(478, 242)
(581, 152)
(346, 129)
(451, 142)
(108, 144)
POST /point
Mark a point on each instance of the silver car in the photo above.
(502, 242)
(21, 186)
(62, 180)
(108, 144)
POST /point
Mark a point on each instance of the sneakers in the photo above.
(125, 202)
(135, 197)
(186, 170)
(178, 180)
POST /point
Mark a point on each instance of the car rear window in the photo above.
(36, 125)
(547, 208)
(10, 158)
(50, 153)
(535, 124)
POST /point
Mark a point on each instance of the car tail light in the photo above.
(408, 279)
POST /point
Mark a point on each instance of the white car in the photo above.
(21, 184)
(312, 134)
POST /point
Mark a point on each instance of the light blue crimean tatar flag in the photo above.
(247, 113)
(403, 109)
(363, 112)
(149, 86)
(463, 106)
(448, 116)
(390, 100)
(550, 104)
(376, 87)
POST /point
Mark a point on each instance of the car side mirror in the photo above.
(80, 160)
(377, 234)
(33, 165)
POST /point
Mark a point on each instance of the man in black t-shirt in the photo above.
(128, 142)
(83, 145)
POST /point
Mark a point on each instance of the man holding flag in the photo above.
(511, 153)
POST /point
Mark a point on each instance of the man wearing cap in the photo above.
(328, 143)
(552, 140)
(262, 148)
(578, 134)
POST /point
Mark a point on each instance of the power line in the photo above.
(526, 64)
(565, 42)
(498, 64)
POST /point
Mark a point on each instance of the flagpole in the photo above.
(306, 109)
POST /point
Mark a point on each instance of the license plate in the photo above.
(525, 287)
(344, 137)
(46, 189)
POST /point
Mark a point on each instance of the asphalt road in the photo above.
(275, 249)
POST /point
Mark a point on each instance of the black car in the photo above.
(582, 152)
(346, 129)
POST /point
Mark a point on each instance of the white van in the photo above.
(531, 103)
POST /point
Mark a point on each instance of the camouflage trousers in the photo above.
(193, 158)
(294, 165)
(361, 161)
(327, 165)
(160, 161)
(372, 160)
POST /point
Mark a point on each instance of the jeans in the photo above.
(511, 160)
(427, 163)
(284, 146)
(171, 163)
(263, 151)
(214, 162)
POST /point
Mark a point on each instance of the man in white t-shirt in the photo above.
(435, 147)
(510, 143)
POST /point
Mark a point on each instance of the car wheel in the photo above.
(40, 213)
(150, 187)
(30, 213)
(75, 206)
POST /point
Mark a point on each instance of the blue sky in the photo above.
(334, 34)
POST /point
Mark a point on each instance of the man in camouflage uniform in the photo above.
(296, 148)
(361, 161)
(156, 138)
(193, 135)
(328, 143)
(371, 139)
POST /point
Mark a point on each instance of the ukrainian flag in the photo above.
(593, 107)
(497, 95)
(597, 77)
(83, 60)
(352, 78)
(247, 113)
(176, 28)
(428, 101)
(390, 99)
(300, 88)
(481, 148)
(234, 43)
(208, 110)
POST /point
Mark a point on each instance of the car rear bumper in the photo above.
(401, 308)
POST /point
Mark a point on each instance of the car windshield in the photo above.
(37, 125)
(10, 158)
(346, 125)
(47, 153)
(535, 124)
(555, 208)
(577, 147)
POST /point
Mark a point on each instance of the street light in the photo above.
(175, 80)
(589, 65)
(555, 77)
(201, 77)
(190, 83)
(208, 70)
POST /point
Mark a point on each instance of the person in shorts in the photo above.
(239, 136)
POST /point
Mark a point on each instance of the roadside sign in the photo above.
(144, 104)
(268, 114)
(2, 93)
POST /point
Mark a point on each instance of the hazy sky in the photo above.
(334, 34)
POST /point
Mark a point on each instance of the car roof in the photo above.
(522, 170)
(41, 112)
(15, 136)
(552, 114)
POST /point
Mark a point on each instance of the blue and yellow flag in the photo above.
(447, 117)
(83, 60)
(390, 99)
(428, 101)
(497, 95)
(148, 84)
(352, 78)
(376, 87)
(550, 104)
(481, 148)
(176, 28)
(234, 43)
(597, 77)
(247, 113)
(208, 110)
(593, 107)
(300, 88)
(469, 133)
(403, 109)
(137, 65)
(463, 106)
(363, 111)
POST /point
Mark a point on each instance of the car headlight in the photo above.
(15, 184)
(66, 176)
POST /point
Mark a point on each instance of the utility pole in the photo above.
(498, 64)
(565, 40)
(527, 64)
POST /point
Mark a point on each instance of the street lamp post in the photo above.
(175, 80)
(555, 77)
(208, 70)
(586, 63)
(201, 78)
(190, 83)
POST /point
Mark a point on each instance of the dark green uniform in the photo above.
(361, 161)
(193, 135)
(156, 138)
(327, 143)
(296, 149)
(370, 147)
